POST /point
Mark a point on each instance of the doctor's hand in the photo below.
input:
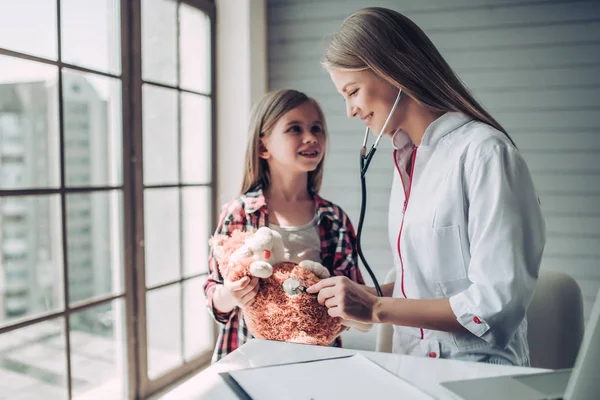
(345, 298)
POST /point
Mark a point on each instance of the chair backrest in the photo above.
(385, 332)
(555, 321)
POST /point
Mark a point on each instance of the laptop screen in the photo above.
(584, 382)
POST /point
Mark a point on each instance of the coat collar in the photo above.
(439, 128)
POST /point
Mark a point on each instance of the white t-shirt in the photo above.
(301, 242)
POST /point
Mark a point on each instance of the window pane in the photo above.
(29, 27)
(92, 130)
(163, 324)
(99, 352)
(197, 324)
(197, 229)
(161, 153)
(33, 362)
(159, 41)
(29, 155)
(161, 225)
(94, 239)
(194, 55)
(91, 34)
(31, 258)
(196, 154)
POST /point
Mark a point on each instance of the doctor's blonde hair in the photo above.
(397, 50)
(265, 114)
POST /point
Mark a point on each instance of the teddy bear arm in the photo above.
(261, 269)
(317, 268)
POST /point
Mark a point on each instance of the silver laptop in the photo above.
(582, 382)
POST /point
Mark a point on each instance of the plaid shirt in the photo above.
(248, 213)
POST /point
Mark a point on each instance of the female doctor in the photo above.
(465, 223)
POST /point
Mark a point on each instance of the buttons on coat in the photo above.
(433, 354)
(476, 319)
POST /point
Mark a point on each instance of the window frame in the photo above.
(135, 229)
(138, 384)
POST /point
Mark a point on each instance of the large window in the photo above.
(106, 195)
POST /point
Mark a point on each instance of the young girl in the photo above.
(465, 224)
(284, 169)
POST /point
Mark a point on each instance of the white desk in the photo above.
(425, 373)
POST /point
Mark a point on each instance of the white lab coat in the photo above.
(472, 232)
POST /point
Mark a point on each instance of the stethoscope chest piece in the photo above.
(292, 287)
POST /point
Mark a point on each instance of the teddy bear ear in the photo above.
(262, 238)
(216, 243)
(263, 231)
(218, 251)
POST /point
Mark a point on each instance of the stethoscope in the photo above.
(293, 286)
(365, 160)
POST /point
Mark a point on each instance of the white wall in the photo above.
(241, 80)
(534, 64)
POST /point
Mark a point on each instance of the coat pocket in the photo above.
(440, 250)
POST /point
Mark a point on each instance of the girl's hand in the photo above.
(345, 298)
(243, 292)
